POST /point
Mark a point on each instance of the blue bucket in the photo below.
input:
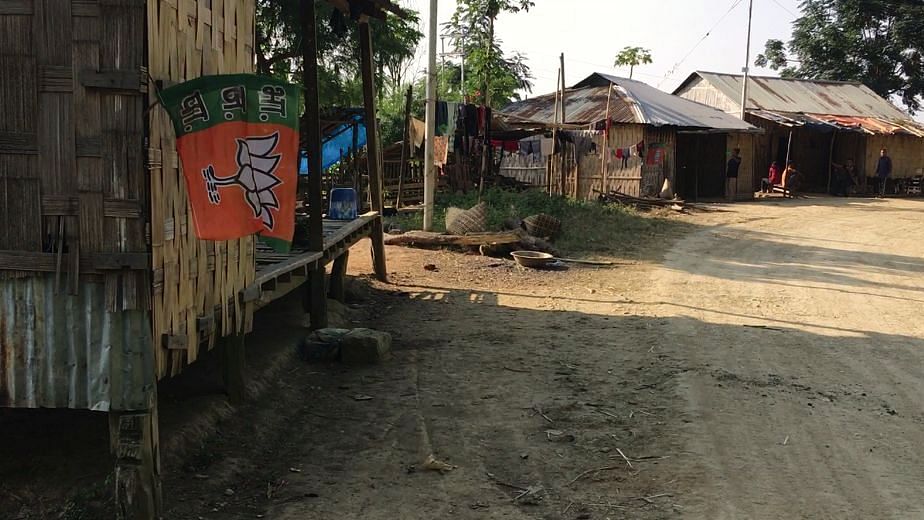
(343, 204)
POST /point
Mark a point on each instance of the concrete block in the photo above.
(322, 345)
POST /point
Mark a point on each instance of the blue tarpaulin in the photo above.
(337, 144)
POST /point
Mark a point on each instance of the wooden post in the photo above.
(486, 149)
(831, 159)
(563, 120)
(372, 154)
(233, 368)
(606, 137)
(549, 161)
(318, 297)
(405, 146)
(134, 443)
(338, 276)
(372, 138)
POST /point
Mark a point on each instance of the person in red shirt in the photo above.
(774, 178)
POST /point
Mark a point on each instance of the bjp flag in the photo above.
(237, 138)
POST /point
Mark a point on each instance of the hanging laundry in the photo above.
(619, 153)
(508, 146)
(442, 117)
(546, 146)
(440, 150)
(470, 120)
(452, 111)
(640, 148)
(418, 131)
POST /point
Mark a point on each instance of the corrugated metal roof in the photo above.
(68, 351)
(812, 97)
(826, 122)
(631, 102)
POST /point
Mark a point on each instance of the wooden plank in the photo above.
(85, 8)
(55, 78)
(134, 440)
(16, 7)
(35, 261)
(125, 81)
(18, 143)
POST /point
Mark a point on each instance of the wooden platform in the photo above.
(280, 273)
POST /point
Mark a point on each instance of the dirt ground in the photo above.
(765, 362)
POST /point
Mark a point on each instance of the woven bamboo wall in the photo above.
(192, 278)
(73, 189)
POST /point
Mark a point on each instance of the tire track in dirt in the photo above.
(832, 274)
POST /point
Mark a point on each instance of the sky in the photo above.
(591, 32)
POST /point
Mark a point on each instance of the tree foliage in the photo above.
(394, 43)
(472, 29)
(877, 42)
(279, 46)
(632, 57)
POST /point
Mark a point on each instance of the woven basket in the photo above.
(472, 220)
(542, 225)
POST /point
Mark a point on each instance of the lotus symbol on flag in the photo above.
(256, 175)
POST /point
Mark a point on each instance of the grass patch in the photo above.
(587, 227)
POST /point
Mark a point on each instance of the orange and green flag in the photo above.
(237, 138)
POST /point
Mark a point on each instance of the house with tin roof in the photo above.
(818, 125)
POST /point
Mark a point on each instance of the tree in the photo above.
(497, 77)
(633, 57)
(278, 39)
(877, 42)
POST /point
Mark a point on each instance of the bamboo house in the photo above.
(104, 287)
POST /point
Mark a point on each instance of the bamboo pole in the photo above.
(554, 132)
(606, 136)
(831, 159)
(405, 146)
(562, 122)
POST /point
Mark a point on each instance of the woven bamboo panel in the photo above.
(72, 180)
(192, 278)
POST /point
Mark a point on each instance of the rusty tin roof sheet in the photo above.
(630, 102)
(812, 97)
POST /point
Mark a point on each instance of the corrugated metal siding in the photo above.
(68, 351)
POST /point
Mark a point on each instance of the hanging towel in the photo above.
(440, 150)
(452, 115)
(546, 146)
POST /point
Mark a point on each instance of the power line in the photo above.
(673, 69)
(777, 2)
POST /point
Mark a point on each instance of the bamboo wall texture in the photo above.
(192, 278)
(72, 181)
(74, 264)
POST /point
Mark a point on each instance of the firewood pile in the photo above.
(643, 203)
(533, 233)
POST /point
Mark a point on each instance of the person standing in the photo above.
(883, 170)
(774, 178)
(731, 174)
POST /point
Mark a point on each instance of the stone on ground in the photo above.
(322, 345)
(365, 347)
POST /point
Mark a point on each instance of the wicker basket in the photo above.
(472, 220)
(542, 225)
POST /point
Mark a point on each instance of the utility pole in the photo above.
(429, 171)
(747, 60)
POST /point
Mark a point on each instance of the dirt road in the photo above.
(763, 361)
(800, 332)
